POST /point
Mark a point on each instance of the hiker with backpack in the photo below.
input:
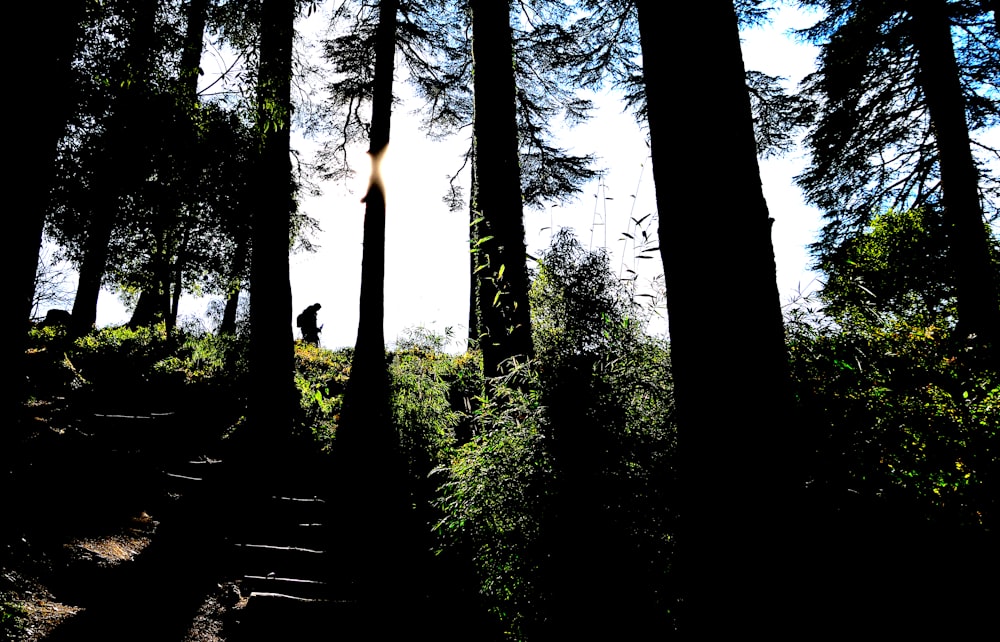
(307, 321)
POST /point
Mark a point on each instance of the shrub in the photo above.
(321, 378)
(899, 414)
(570, 460)
(12, 615)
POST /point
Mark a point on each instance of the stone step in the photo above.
(294, 587)
(270, 616)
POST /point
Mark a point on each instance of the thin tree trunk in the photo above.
(730, 377)
(179, 181)
(503, 282)
(228, 324)
(367, 394)
(977, 288)
(388, 548)
(475, 326)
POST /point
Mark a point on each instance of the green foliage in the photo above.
(898, 266)
(321, 378)
(12, 616)
(899, 415)
(430, 391)
(494, 495)
(586, 426)
(207, 357)
(111, 357)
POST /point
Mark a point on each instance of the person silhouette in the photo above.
(307, 321)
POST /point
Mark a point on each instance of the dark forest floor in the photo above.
(95, 542)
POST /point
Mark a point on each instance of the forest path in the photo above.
(153, 529)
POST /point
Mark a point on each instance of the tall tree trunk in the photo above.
(367, 394)
(197, 16)
(475, 327)
(179, 178)
(726, 333)
(272, 398)
(976, 279)
(503, 282)
(34, 173)
(367, 439)
(121, 170)
(92, 266)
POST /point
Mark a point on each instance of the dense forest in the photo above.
(830, 465)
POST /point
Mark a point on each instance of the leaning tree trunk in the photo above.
(502, 271)
(272, 394)
(978, 292)
(229, 313)
(726, 335)
(34, 173)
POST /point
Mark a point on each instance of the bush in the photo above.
(12, 615)
(492, 498)
(321, 378)
(899, 415)
(560, 496)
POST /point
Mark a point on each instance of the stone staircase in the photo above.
(284, 557)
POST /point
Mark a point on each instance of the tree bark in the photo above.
(34, 173)
(367, 393)
(197, 16)
(726, 333)
(228, 323)
(367, 438)
(503, 274)
(475, 327)
(272, 398)
(978, 293)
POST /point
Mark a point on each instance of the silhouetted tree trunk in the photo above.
(726, 334)
(475, 327)
(33, 173)
(369, 461)
(272, 395)
(367, 393)
(978, 292)
(197, 16)
(228, 324)
(366, 430)
(156, 301)
(121, 169)
(502, 277)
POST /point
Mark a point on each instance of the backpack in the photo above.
(298, 321)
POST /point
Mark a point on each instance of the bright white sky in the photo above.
(427, 280)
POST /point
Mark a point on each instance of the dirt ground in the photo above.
(55, 554)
